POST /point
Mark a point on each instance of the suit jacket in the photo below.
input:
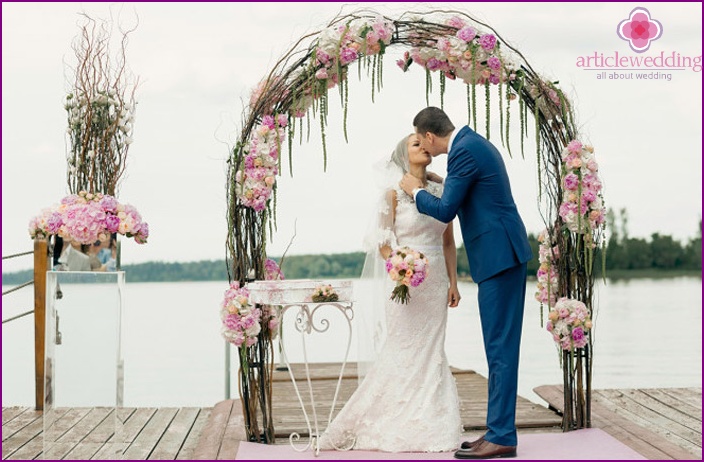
(477, 190)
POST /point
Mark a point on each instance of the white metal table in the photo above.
(310, 318)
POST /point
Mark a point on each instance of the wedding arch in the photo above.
(452, 47)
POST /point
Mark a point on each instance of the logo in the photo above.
(639, 29)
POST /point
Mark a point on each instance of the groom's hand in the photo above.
(409, 183)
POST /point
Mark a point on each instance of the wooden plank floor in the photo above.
(288, 416)
(660, 424)
(89, 433)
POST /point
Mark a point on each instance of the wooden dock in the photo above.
(660, 424)
(150, 433)
(225, 429)
(657, 423)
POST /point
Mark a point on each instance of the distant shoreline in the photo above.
(185, 275)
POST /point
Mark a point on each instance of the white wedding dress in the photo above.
(408, 400)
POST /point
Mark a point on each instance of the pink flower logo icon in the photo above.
(639, 29)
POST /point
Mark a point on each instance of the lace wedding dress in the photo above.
(408, 401)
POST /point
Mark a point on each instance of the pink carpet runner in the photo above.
(587, 444)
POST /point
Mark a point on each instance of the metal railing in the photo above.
(42, 254)
(16, 288)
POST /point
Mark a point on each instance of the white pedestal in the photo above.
(83, 378)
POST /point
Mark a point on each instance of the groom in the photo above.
(478, 191)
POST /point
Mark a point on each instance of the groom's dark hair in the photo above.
(433, 120)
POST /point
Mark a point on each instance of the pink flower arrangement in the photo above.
(467, 54)
(342, 44)
(569, 322)
(241, 321)
(272, 272)
(87, 217)
(582, 208)
(324, 293)
(256, 179)
(408, 268)
(548, 280)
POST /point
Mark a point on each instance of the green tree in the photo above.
(666, 252)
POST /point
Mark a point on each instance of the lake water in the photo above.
(647, 334)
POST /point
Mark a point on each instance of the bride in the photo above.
(408, 400)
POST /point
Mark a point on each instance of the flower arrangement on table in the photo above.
(324, 293)
(569, 322)
(86, 217)
(408, 268)
(582, 208)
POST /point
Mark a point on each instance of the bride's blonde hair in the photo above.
(400, 155)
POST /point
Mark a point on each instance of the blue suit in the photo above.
(477, 190)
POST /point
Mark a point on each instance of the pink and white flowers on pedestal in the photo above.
(569, 323)
(582, 208)
(409, 268)
(468, 54)
(86, 218)
(256, 178)
(241, 321)
(548, 279)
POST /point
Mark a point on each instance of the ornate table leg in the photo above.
(306, 325)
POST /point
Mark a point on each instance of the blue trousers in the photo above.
(501, 304)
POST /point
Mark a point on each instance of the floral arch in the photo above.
(450, 46)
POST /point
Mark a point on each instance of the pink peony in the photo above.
(433, 64)
(487, 41)
(456, 22)
(571, 182)
(322, 56)
(574, 147)
(347, 55)
(467, 34)
(493, 63)
(321, 74)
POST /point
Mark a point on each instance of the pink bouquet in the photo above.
(408, 268)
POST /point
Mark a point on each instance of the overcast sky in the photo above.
(198, 63)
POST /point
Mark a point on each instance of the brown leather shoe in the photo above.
(486, 450)
(471, 444)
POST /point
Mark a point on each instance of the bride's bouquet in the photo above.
(408, 268)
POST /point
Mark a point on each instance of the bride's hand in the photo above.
(453, 296)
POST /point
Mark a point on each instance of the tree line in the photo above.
(624, 255)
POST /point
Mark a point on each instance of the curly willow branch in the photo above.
(100, 109)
